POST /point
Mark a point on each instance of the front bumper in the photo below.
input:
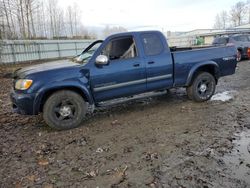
(23, 103)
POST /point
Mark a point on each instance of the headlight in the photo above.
(23, 84)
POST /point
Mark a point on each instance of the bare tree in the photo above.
(84, 33)
(2, 29)
(51, 12)
(221, 20)
(74, 22)
(26, 7)
(6, 15)
(112, 30)
(42, 21)
(248, 10)
(11, 14)
(22, 24)
(238, 13)
(77, 18)
(59, 23)
(32, 7)
(28, 19)
(70, 20)
(218, 22)
(56, 16)
(224, 19)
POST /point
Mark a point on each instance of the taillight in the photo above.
(248, 52)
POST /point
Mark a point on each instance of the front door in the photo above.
(125, 74)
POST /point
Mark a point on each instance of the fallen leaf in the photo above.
(119, 177)
(43, 162)
(115, 122)
(48, 186)
(18, 185)
(92, 174)
(153, 185)
(31, 178)
(99, 150)
(38, 152)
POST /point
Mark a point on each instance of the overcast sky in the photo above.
(174, 15)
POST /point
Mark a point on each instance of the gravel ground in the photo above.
(164, 141)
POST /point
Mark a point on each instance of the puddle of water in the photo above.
(223, 96)
(239, 159)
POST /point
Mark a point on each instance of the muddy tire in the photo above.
(64, 110)
(202, 87)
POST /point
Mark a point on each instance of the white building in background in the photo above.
(246, 26)
(202, 36)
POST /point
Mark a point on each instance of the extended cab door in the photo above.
(125, 74)
(159, 64)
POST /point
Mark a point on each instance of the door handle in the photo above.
(151, 62)
(136, 65)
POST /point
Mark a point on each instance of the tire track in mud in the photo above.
(166, 141)
(220, 170)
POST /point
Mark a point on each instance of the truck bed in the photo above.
(186, 58)
(184, 48)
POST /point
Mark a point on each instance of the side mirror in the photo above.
(101, 60)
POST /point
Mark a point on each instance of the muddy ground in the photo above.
(165, 141)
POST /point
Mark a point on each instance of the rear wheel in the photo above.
(64, 110)
(202, 87)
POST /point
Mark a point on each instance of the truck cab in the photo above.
(128, 64)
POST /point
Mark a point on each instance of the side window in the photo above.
(241, 38)
(152, 44)
(223, 40)
(123, 48)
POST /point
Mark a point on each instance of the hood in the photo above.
(22, 72)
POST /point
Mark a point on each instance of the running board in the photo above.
(127, 99)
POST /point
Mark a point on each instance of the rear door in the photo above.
(159, 65)
(124, 75)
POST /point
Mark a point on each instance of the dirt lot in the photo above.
(165, 141)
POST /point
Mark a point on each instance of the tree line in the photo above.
(239, 14)
(43, 19)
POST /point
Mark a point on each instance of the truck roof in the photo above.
(134, 33)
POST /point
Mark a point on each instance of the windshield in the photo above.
(242, 38)
(87, 53)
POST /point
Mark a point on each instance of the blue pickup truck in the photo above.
(123, 65)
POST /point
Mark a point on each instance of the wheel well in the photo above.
(48, 93)
(240, 49)
(206, 68)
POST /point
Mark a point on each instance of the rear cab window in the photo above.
(152, 44)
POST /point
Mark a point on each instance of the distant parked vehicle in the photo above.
(241, 42)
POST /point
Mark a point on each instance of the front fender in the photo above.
(54, 86)
(200, 66)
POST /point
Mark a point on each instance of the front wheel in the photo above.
(64, 110)
(202, 87)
